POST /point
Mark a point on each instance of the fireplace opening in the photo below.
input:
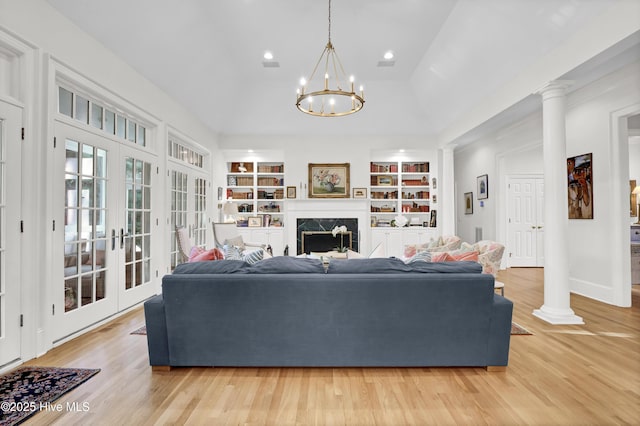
(323, 241)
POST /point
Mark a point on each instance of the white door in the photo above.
(10, 300)
(525, 221)
(85, 252)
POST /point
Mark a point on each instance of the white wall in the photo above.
(589, 130)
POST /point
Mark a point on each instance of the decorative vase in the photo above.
(329, 187)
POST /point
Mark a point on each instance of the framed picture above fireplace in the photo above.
(329, 180)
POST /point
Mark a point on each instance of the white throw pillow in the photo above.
(354, 255)
(377, 252)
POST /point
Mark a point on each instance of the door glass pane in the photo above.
(178, 213)
(200, 220)
(131, 131)
(137, 214)
(85, 225)
(141, 135)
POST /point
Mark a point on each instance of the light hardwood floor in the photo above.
(561, 375)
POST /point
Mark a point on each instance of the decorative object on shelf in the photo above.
(230, 211)
(636, 195)
(401, 221)
(483, 187)
(434, 219)
(329, 180)
(359, 192)
(254, 222)
(385, 180)
(291, 191)
(579, 180)
(333, 100)
(340, 230)
(468, 203)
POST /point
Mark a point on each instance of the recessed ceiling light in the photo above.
(388, 55)
(268, 55)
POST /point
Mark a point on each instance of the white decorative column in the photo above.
(556, 308)
(446, 194)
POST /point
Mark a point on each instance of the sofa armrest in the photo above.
(156, 322)
(500, 331)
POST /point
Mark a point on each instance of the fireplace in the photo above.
(314, 234)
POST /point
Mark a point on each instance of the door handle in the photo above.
(113, 239)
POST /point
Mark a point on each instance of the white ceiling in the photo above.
(449, 55)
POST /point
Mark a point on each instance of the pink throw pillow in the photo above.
(441, 256)
(198, 254)
(469, 255)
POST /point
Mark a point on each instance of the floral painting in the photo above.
(329, 180)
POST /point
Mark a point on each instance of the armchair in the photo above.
(228, 232)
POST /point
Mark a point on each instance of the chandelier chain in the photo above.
(329, 21)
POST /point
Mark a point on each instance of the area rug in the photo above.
(142, 330)
(519, 330)
(27, 390)
(515, 329)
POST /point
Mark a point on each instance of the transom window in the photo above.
(95, 115)
(185, 154)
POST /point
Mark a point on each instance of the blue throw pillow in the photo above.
(287, 265)
(421, 256)
(380, 265)
(213, 267)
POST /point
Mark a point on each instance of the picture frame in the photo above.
(468, 203)
(359, 192)
(385, 180)
(483, 187)
(579, 186)
(329, 180)
(291, 192)
(433, 219)
(254, 222)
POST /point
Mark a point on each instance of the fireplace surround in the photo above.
(314, 234)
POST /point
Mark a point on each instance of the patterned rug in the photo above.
(27, 390)
(515, 329)
(142, 330)
(519, 330)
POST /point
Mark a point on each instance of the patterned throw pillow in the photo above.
(421, 256)
(232, 252)
(253, 256)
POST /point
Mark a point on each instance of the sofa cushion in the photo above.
(215, 267)
(383, 265)
(287, 265)
(462, 267)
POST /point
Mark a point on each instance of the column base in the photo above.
(557, 316)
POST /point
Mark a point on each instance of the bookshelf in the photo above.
(400, 189)
(258, 190)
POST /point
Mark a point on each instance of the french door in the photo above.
(526, 221)
(103, 243)
(10, 297)
(188, 197)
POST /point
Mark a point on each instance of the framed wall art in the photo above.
(483, 187)
(359, 192)
(580, 189)
(468, 203)
(633, 210)
(291, 192)
(329, 180)
(255, 222)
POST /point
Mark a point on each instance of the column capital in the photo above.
(554, 88)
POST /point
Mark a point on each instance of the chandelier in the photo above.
(332, 100)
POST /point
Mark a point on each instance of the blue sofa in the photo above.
(288, 312)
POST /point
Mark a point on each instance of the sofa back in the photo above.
(316, 319)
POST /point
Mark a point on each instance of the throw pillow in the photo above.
(422, 256)
(377, 252)
(471, 256)
(253, 256)
(198, 254)
(390, 265)
(410, 250)
(441, 256)
(232, 252)
(354, 255)
(235, 241)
